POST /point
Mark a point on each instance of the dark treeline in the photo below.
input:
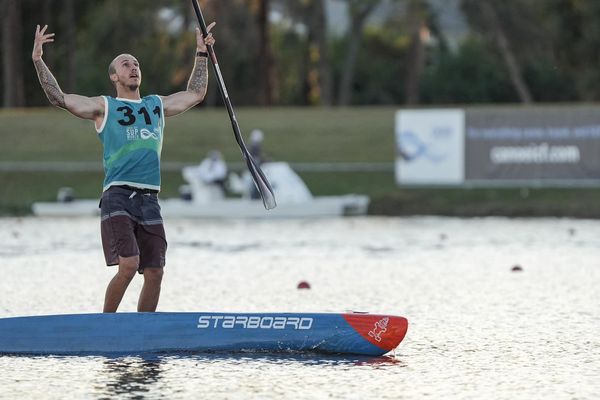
(283, 52)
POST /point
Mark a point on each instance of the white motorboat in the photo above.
(205, 200)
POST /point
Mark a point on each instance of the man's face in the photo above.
(127, 71)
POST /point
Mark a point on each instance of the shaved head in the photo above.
(120, 57)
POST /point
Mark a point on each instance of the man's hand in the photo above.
(201, 41)
(40, 38)
(196, 88)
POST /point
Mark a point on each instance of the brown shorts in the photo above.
(131, 225)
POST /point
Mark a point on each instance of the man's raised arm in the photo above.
(198, 83)
(81, 106)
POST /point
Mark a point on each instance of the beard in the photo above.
(133, 87)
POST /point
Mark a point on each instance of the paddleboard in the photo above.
(163, 332)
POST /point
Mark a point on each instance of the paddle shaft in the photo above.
(260, 180)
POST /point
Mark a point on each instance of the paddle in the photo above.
(262, 184)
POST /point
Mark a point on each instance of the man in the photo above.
(207, 180)
(131, 131)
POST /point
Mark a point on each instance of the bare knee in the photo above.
(153, 275)
(128, 266)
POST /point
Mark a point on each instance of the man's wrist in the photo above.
(200, 53)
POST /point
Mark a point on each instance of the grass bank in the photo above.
(291, 134)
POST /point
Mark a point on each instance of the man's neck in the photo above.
(125, 93)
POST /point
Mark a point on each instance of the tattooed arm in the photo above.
(81, 106)
(49, 84)
(196, 88)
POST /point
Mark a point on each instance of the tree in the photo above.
(572, 29)
(266, 61)
(417, 17)
(319, 53)
(47, 18)
(512, 63)
(491, 19)
(70, 41)
(12, 54)
(359, 10)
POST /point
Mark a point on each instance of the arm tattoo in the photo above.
(49, 84)
(199, 79)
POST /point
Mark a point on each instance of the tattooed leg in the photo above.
(49, 84)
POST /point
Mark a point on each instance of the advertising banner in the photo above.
(430, 147)
(542, 144)
(545, 145)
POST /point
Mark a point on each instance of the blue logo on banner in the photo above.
(411, 147)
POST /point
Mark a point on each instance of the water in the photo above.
(476, 329)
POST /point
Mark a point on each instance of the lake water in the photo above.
(476, 329)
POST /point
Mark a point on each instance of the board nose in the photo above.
(383, 331)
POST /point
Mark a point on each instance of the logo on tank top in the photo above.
(133, 133)
(146, 134)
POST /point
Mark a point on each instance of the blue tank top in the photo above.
(132, 136)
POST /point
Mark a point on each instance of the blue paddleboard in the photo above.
(136, 333)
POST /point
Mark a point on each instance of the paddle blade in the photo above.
(261, 182)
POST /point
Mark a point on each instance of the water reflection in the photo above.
(143, 376)
(289, 358)
(134, 376)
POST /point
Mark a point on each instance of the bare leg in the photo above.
(151, 290)
(118, 285)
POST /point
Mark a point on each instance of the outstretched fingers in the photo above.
(46, 39)
(40, 34)
(41, 37)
